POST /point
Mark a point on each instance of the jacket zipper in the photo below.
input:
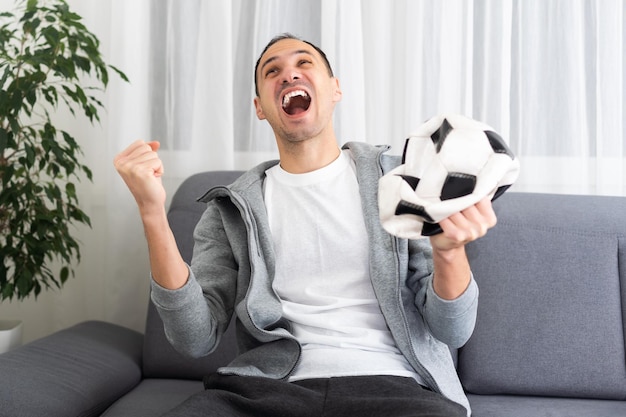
(421, 370)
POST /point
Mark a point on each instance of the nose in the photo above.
(290, 75)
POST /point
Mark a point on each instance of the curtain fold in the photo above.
(547, 74)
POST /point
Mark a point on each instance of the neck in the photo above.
(308, 155)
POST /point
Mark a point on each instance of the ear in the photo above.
(259, 110)
(337, 94)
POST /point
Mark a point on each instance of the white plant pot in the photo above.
(10, 334)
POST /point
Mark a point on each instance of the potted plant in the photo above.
(48, 59)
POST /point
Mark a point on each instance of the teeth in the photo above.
(295, 93)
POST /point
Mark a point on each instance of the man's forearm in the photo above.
(452, 272)
(141, 169)
(168, 268)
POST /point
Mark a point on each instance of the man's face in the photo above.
(297, 95)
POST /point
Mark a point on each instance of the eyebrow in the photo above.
(274, 58)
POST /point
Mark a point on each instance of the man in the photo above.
(336, 317)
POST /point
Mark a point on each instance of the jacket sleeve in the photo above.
(450, 321)
(196, 315)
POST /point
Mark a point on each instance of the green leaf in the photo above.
(4, 140)
(52, 35)
(7, 175)
(53, 192)
(70, 140)
(70, 190)
(8, 291)
(31, 97)
(65, 273)
(50, 95)
(31, 5)
(82, 63)
(30, 155)
(24, 282)
(3, 271)
(80, 94)
(120, 73)
(87, 172)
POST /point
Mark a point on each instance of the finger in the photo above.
(138, 152)
(132, 148)
(459, 228)
(448, 227)
(482, 213)
(452, 236)
(136, 157)
(148, 163)
(154, 145)
(485, 206)
(475, 221)
(465, 226)
(128, 153)
(142, 148)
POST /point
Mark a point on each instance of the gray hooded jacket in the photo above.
(233, 266)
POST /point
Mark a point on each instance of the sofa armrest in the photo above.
(78, 371)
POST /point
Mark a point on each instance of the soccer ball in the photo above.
(449, 164)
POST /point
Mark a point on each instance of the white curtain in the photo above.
(548, 75)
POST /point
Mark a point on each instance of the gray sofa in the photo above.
(549, 339)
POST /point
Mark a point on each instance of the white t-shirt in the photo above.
(322, 274)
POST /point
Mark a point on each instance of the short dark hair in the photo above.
(279, 38)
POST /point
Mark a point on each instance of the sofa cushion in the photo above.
(518, 406)
(153, 397)
(550, 319)
(77, 371)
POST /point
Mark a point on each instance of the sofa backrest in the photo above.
(160, 360)
(552, 279)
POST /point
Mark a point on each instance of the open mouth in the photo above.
(296, 102)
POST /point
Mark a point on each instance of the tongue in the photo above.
(297, 105)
